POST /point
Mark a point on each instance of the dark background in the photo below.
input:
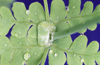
(92, 35)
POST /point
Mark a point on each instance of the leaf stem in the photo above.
(67, 51)
(44, 56)
(46, 10)
(76, 28)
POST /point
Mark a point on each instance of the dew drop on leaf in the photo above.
(27, 12)
(16, 35)
(51, 51)
(35, 13)
(82, 60)
(27, 56)
(73, 6)
(20, 43)
(35, 53)
(74, 54)
(19, 32)
(5, 44)
(55, 54)
(24, 63)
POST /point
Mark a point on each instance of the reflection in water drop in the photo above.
(20, 43)
(51, 51)
(35, 13)
(5, 44)
(16, 35)
(24, 63)
(27, 56)
(55, 54)
(27, 12)
(74, 54)
(82, 60)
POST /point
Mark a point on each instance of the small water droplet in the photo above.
(82, 60)
(16, 35)
(35, 13)
(24, 63)
(20, 43)
(73, 6)
(27, 12)
(19, 32)
(27, 56)
(51, 51)
(5, 44)
(74, 54)
(35, 53)
(55, 54)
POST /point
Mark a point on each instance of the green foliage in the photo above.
(35, 34)
(79, 51)
(6, 3)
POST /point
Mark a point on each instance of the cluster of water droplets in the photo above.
(82, 60)
(26, 58)
(52, 52)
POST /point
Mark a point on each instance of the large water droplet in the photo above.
(82, 60)
(27, 56)
(5, 44)
(55, 54)
(27, 12)
(51, 51)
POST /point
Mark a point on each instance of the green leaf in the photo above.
(76, 28)
(88, 60)
(97, 57)
(79, 44)
(73, 60)
(36, 13)
(92, 48)
(62, 26)
(58, 11)
(20, 30)
(74, 8)
(5, 18)
(6, 3)
(56, 57)
(63, 43)
(87, 55)
(18, 42)
(19, 10)
(36, 55)
(78, 23)
(16, 50)
(87, 10)
(32, 35)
